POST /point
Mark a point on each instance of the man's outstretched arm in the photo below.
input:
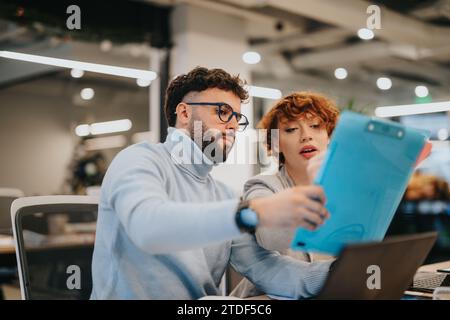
(277, 274)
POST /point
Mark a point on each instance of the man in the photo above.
(167, 230)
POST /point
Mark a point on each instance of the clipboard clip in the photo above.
(385, 129)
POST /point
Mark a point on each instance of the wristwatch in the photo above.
(246, 219)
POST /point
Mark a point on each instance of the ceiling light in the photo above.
(384, 83)
(251, 57)
(76, 73)
(86, 66)
(103, 127)
(366, 34)
(87, 93)
(82, 130)
(340, 73)
(143, 82)
(262, 92)
(110, 126)
(405, 110)
(421, 91)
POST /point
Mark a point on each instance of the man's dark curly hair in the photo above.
(200, 79)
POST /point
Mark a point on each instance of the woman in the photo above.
(305, 122)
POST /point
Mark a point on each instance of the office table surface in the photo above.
(425, 268)
(56, 241)
(7, 248)
(435, 266)
(429, 268)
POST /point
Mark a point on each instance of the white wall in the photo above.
(34, 142)
(214, 40)
(37, 119)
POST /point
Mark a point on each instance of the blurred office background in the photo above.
(289, 45)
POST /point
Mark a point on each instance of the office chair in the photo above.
(7, 196)
(8, 270)
(51, 263)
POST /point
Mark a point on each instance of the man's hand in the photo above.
(293, 207)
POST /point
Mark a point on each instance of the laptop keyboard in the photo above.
(428, 281)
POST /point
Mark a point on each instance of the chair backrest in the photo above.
(7, 196)
(54, 242)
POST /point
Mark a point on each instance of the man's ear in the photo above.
(184, 113)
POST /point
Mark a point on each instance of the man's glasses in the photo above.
(225, 113)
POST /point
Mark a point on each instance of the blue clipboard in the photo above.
(364, 174)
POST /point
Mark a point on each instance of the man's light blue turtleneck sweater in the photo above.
(166, 230)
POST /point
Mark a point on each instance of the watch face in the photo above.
(249, 218)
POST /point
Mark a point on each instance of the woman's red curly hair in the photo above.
(296, 106)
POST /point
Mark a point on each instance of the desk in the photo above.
(50, 242)
(6, 244)
(425, 268)
(47, 259)
(433, 267)
(429, 268)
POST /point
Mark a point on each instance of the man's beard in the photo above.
(208, 141)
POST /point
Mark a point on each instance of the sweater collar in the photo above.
(187, 154)
(283, 172)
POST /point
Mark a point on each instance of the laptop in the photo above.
(381, 270)
(428, 281)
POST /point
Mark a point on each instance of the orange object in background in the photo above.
(424, 153)
(427, 187)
